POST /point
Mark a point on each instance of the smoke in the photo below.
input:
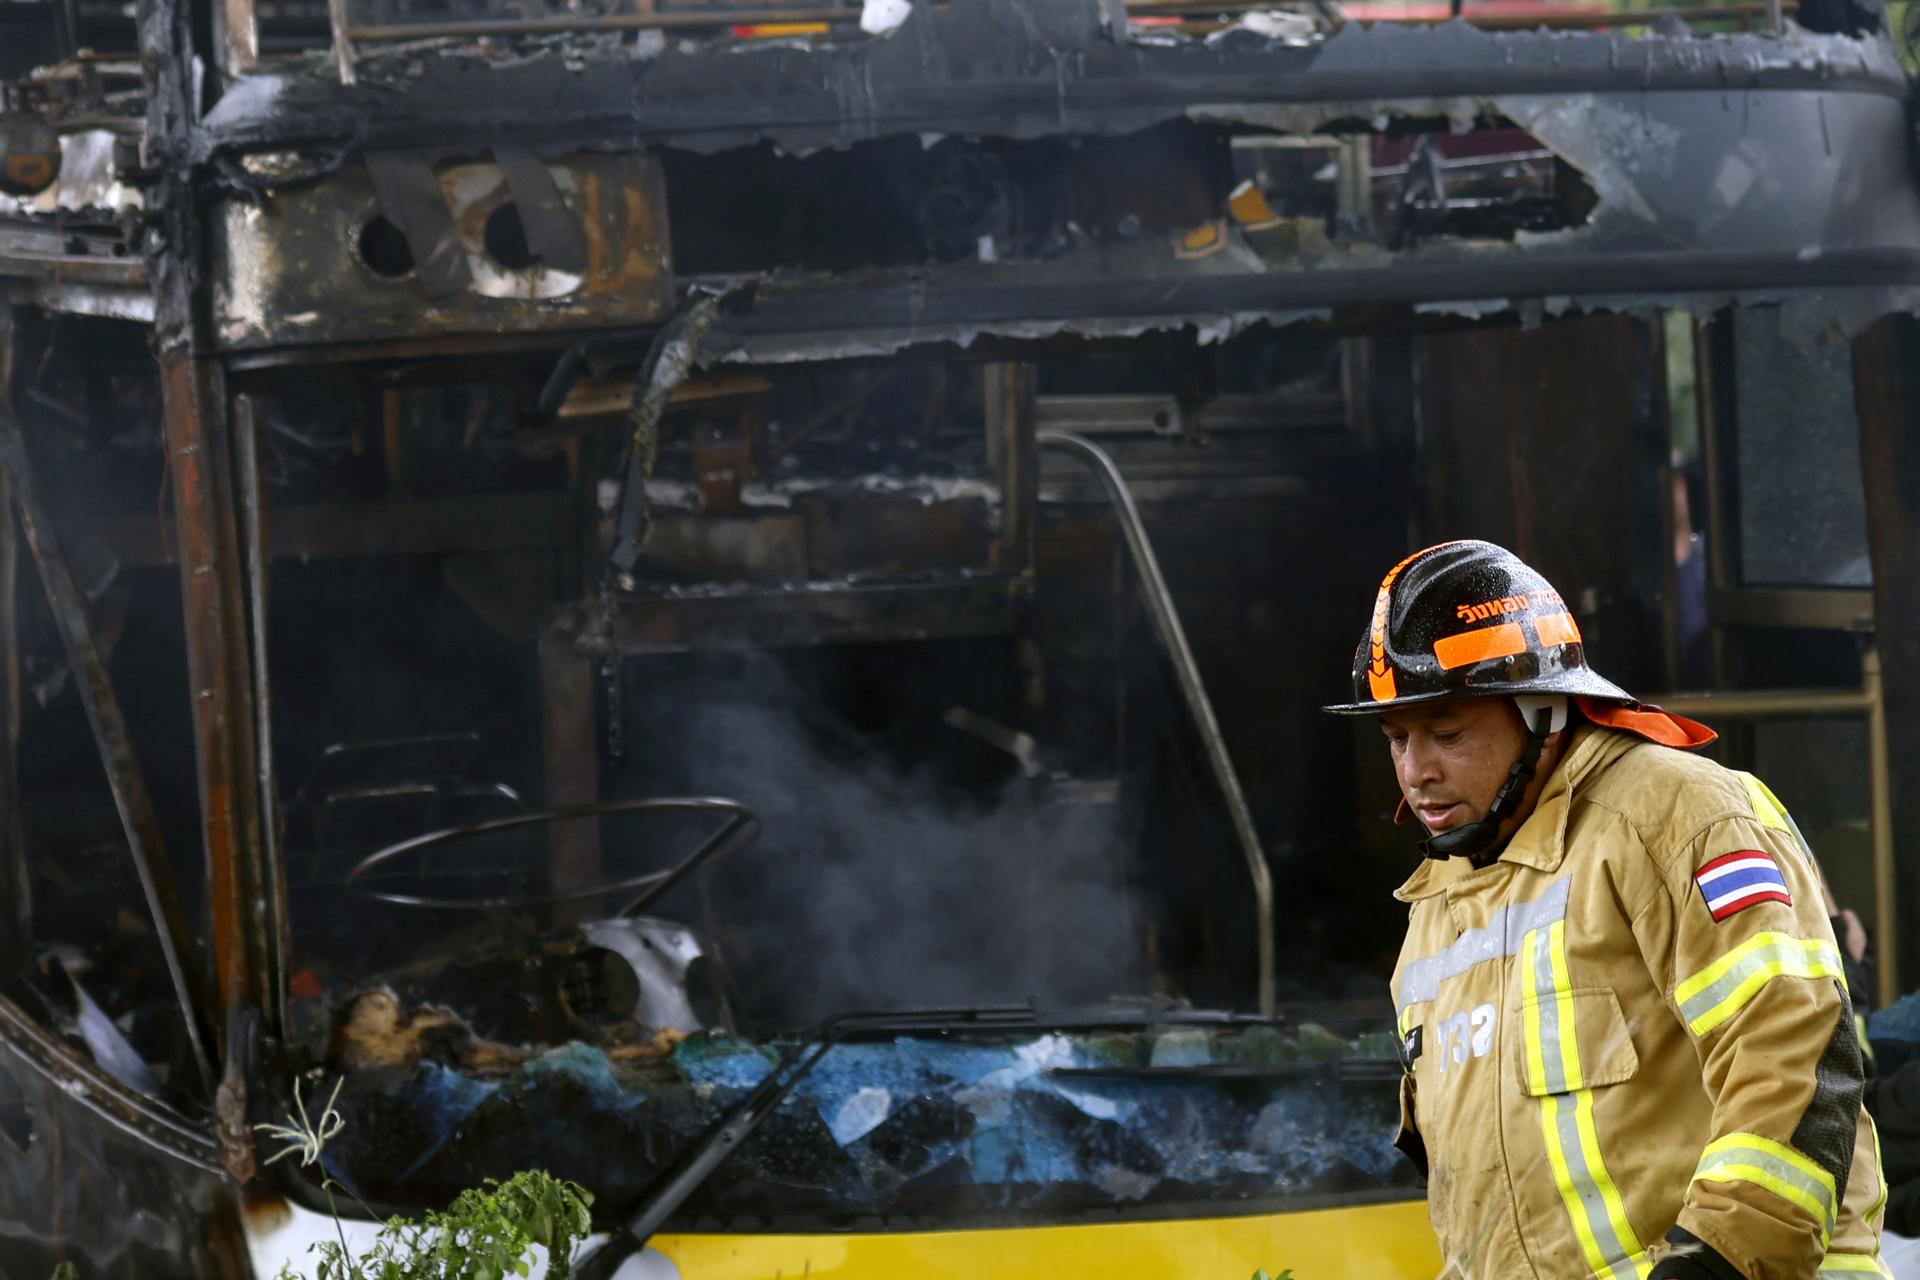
(885, 878)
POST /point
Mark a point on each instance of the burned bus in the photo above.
(729, 602)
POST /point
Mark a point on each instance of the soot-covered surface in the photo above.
(1034, 1127)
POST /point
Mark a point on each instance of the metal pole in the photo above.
(124, 777)
(1767, 704)
(1880, 789)
(16, 887)
(570, 759)
(245, 896)
(344, 36)
(239, 38)
(256, 556)
(1010, 413)
(1166, 622)
(16, 890)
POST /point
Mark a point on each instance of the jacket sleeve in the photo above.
(1754, 974)
(1894, 1103)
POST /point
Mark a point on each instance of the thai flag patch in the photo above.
(1735, 881)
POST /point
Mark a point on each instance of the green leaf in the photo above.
(487, 1233)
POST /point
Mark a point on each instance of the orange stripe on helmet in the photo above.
(1556, 628)
(1381, 684)
(1380, 681)
(1480, 645)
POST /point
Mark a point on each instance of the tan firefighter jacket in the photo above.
(1596, 1058)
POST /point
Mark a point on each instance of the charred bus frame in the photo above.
(297, 217)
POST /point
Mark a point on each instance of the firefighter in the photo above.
(1628, 1044)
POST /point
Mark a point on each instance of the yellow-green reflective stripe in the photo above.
(1723, 988)
(1850, 1264)
(1593, 1204)
(1599, 1219)
(1772, 1166)
(1766, 805)
(1616, 1209)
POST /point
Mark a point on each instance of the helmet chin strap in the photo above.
(1475, 838)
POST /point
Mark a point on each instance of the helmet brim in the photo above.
(1578, 683)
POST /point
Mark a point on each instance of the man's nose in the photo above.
(1418, 765)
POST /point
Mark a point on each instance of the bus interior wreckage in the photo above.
(730, 604)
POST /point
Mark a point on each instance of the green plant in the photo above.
(487, 1233)
(1262, 1275)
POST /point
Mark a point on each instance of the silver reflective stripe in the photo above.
(1547, 995)
(1742, 1162)
(1799, 958)
(1500, 938)
(1565, 1113)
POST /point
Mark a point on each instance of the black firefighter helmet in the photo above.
(1470, 620)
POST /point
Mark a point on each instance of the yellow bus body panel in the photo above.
(1391, 1241)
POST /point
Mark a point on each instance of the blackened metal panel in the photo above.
(896, 539)
(312, 266)
(79, 1183)
(553, 231)
(570, 751)
(73, 1188)
(1742, 196)
(1016, 68)
(1731, 167)
(1806, 173)
(835, 613)
(409, 196)
(1011, 452)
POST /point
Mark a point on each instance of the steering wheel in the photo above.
(741, 829)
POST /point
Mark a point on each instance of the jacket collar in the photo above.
(1540, 843)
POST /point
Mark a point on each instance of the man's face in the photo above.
(1452, 757)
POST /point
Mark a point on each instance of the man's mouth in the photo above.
(1438, 817)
